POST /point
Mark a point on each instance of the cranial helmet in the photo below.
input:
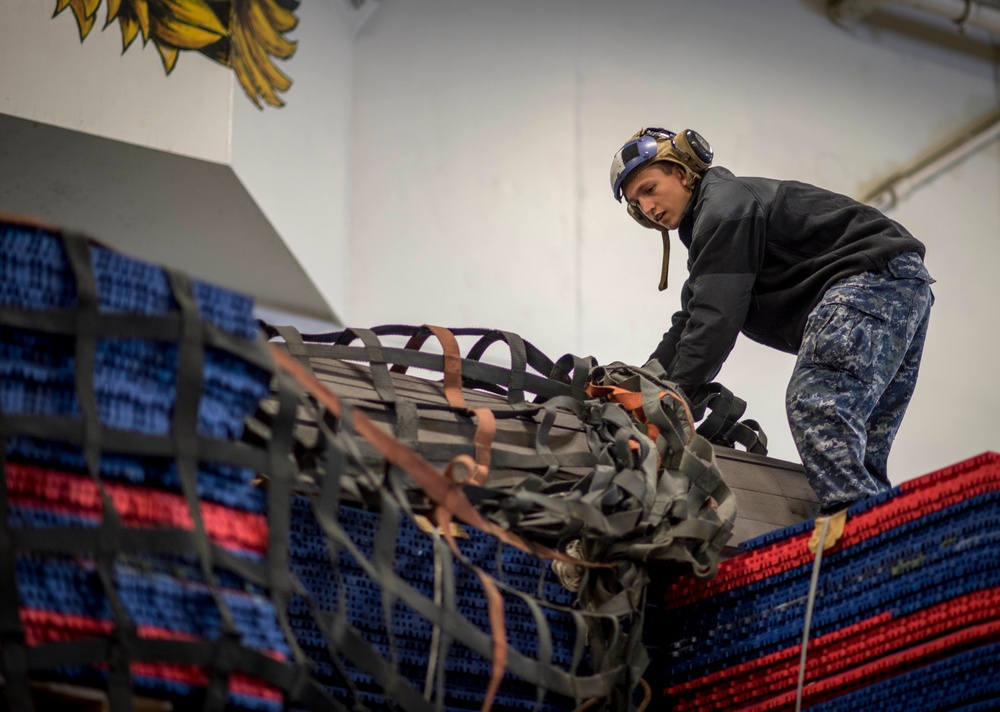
(688, 149)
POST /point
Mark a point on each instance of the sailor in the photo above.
(798, 268)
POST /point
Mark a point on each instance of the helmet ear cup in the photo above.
(694, 150)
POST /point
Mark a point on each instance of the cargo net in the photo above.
(190, 515)
(487, 537)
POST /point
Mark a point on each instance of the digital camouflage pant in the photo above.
(854, 377)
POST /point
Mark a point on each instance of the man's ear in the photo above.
(685, 179)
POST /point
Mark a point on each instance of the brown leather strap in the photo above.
(666, 260)
(485, 420)
(486, 430)
(452, 362)
(498, 626)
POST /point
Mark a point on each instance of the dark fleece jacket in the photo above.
(761, 253)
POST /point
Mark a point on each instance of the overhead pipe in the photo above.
(964, 13)
(903, 183)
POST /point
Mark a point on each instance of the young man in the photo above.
(800, 269)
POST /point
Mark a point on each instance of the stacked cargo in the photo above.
(146, 539)
(395, 613)
(125, 533)
(904, 613)
(539, 622)
(155, 541)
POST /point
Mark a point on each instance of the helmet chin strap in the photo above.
(665, 234)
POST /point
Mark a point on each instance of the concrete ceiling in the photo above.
(191, 215)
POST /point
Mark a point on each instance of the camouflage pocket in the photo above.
(844, 336)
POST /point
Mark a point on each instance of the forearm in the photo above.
(666, 350)
(717, 310)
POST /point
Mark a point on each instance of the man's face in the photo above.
(661, 192)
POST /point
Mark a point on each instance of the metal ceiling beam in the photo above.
(904, 182)
(964, 13)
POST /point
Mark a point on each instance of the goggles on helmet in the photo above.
(633, 154)
(694, 154)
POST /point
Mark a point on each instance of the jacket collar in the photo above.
(686, 225)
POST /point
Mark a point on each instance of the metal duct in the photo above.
(964, 13)
(900, 184)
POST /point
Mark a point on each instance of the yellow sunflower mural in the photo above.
(243, 34)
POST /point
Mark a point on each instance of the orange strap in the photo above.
(632, 402)
(452, 362)
(498, 626)
(486, 427)
(486, 430)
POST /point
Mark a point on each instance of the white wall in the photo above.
(483, 134)
(461, 111)
(294, 161)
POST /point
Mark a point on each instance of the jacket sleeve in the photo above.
(724, 258)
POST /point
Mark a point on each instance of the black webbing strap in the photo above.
(553, 461)
(376, 360)
(342, 638)
(328, 502)
(281, 474)
(293, 341)
(190, 367)
(575, 371)
(543, 458)
(383, 557)
(85, 323)
(518, 361)
(67, 430)
(13, 653)
(722, 425)
(109, 540)
(407, 418)
(441, 640)
(566, 377)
